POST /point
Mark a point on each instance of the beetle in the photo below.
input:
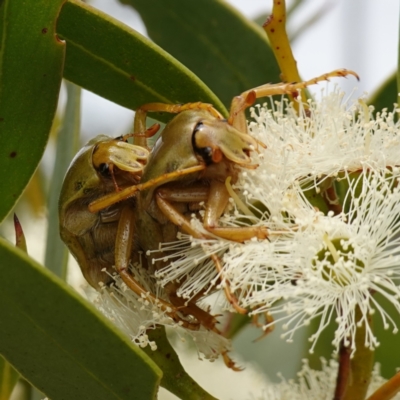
(102, 166)
(196, 153)
(98, 241)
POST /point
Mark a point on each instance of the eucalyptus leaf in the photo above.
(175, 378)
(60, 343)
(228, 52)
(386, 95)
(31, 61)
(388, 353)
(114, 61)
(8, 378)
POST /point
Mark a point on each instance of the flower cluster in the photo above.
(327, 189)
(135, 315)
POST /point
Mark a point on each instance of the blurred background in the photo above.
(361, 35)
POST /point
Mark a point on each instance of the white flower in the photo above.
(328, 265)
(314, 384)
(135, 315)
(191, 262)
(332, 136)
(319, 264)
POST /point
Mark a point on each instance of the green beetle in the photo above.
(196, 153)
(99, 241)
(102, 166)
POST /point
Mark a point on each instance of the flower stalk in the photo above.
(343, 375)
(175, 378)
(275, 28)
(361, 364)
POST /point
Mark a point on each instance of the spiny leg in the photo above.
(112, 198)
(247, 98)
(229, 362)
(141, 134)
(291, 87)
(216, 197)
(191, 308)
(123, 249)
(268, 320)
(179, 220)
(216, 204)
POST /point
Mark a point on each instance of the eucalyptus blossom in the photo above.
(136, 315)
(327, 189)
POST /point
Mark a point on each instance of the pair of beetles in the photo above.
(120, 199)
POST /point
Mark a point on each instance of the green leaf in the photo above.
(398, 68)
(175, 378)
(60, 343)
(228, 52)
(31, 60)
(388, 353)
(115, 62)
(67, 146)
(386, 95)
(8, 378)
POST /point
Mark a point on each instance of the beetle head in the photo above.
(213, 139)
(110, 153)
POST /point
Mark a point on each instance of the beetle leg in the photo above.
(247, 98)
(268, 319)
(179, 220)
(194, 193)
(191, 308)
(140, 133)
(216, 196)
(123, 249)
(112, 198)
(229, 362)
(216, 204)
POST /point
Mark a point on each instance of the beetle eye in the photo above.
(204, 152)
(104, 169)
(198, 126)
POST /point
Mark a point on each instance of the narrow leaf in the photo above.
(227, 51)
(114, 61)
(8, 378)
(31, 60)
(386, 95)
(388, 353)
(60, 343)
(175, 378)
